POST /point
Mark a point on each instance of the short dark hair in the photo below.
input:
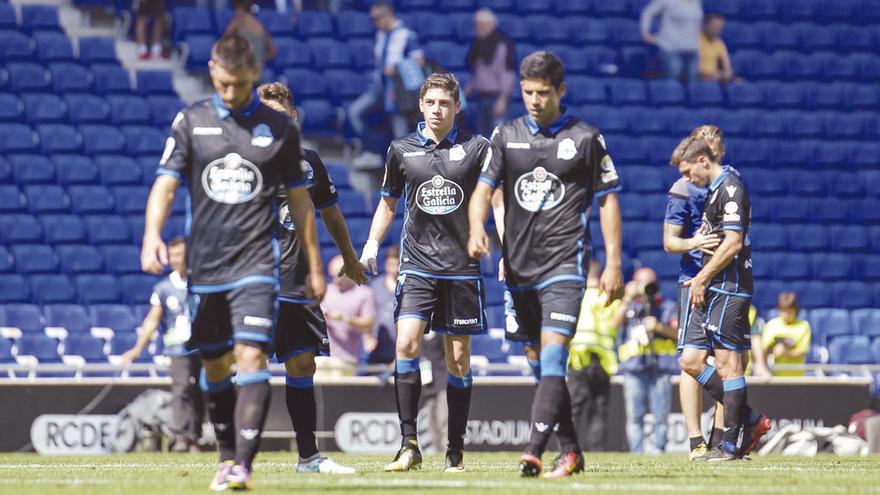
(787, 301)
(542, 65)
(383, 4)
(392, 252)
(275, 91)
(176, 241)
(444, 81)
(242, 4)
(234, 52)
(711, 16)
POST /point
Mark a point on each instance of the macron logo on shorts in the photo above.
(257, 321)
(563, 317)
(465, 321)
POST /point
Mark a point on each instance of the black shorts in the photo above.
(244, 314)
(690, 336)
(724, 321)
(552, 308)
(150, 8)
(300, 328)
(453, 306)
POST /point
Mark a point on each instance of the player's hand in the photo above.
(478, 244)
(650, 323)
(355, 271)
(502, 272)
(698, 291)
(316, 286)
(611, 283)
(705, 242)
(369, 255)
(154, 255)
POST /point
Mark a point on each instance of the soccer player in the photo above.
(168, 309)
(551, 165)
(234, 153)
(301, 331)
(439, 286)
(720, 295)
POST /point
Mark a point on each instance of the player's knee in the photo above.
(301, 365)
(249, 358)
(691, 364)
(407, 347)
(458, 365)
(217, 370)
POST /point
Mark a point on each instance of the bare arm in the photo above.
(611, 281)
(302, 212)
(675, 244)
(382, 220)
(729, 248)
(478, 212)
(148, 327)
(335, 223)
(154, 253)
(498, 212)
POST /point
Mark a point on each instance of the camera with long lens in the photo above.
(650, 290)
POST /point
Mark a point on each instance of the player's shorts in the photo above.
(554, 308)
(455, 307)
(690, 336)
(151, 8)
(220, 319)
(724, 320)
(300, 328)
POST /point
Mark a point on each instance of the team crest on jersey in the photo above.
(284, 217)
(261, 136)
(538, 190)
(609, 173)
(173, 303)
(566, 150)
(731, 212)
(232, 180)
(439, 196)
(456, 153)
(731, 190)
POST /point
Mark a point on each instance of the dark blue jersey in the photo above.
(170, 294)
(234, 164)
(729, 208)
(685, 208)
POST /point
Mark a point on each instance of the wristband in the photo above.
(370, 251)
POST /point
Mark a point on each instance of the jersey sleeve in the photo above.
(176, 157)
(492, 167)
(734, 207)
(604, 175)
(323, 191)
(676, 211)
(294, 169)
(395, 180)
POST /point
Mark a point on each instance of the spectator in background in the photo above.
(350, 310)
(395, 44)
(758, 361)
(491, 58)
(168, 312)
(786, 338)
(714, 60)
(647, 356)
(592, 360)
(245, 23)
(384, 288)
(144, 10)
(678, 36)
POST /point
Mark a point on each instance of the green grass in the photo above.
(165, 474)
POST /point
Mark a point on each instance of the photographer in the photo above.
(647, 356)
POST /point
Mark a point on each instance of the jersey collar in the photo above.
(424, 140)
(551, 129)
(224, 112)
(725, 171)
(177, 281)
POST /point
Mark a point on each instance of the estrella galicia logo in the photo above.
(284, 217)
(538, 190)
(439, 196)
(232, 180)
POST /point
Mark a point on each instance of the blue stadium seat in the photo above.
(87, 109)
(778, 36)
(869, 66)
(866, 322)
(628, 91)
(806, 124)
(7, 262)
(705, 93)
(8, 18)
(791, 266)
(484, 345)
(839, 68)
(25, 317)
(107, 229)
(307, 84)
(118, 317)
(91, 349)
(163, 109)
(515, 27)
(103, 139)
(767, 293)
(154, 82)
(122, 342)
(97, 288)
(292, 53)
(846, 185)
(820, 96)
(43, 199)
(861, 97)
(665, 265)
(126, 109)
(6, 356)
(814, 37)
(120, 260)
(130, 199)
(148, 164)
(829, 210)
(319, 118)
(641, 126)
(541, 35)
(587, 90)
(71, 317)
(808, 237)
(431, 27)
(5, 173)
(191, 20)
(48, 289)
(74, 169)
(39, 18)
(353, 24)
(330, 54)
(59, 138)
(118, 170)
(90, 200)
(144, 140)
(768, 237)
(857, 350)
(849, 239)
(34, 258)
(494, 292)
(25, 76)
(11, 108)
(16, 46)
(768, 124)
(111, 79)
(741, 35)
(852, 295)
(199, 47)
(645, 235)
(829, 323)
(803, 183)
(761, 10)
(785, 95)
(313, 24)
(801, 10)
(666, 92)
(53, 47)
(222, 17)
(63, 229)
(652, 183)
(832, 266)
(339, 175)
(44, 348)
(77, 259)
(71, 78)
(41, 108)
(98, 50)
(762, 266)
(846, 126)
(20, 229)
(629, 151)
(352, 203)
(345, 85)
(136, 289)
(831, 154)
(13, 289)
(804, 67)
(31, 169)
(361, 51)
(866, 211)
(745, 94)
(586, 30)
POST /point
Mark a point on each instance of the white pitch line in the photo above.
(52, 481)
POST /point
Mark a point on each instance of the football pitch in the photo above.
(164, 474)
